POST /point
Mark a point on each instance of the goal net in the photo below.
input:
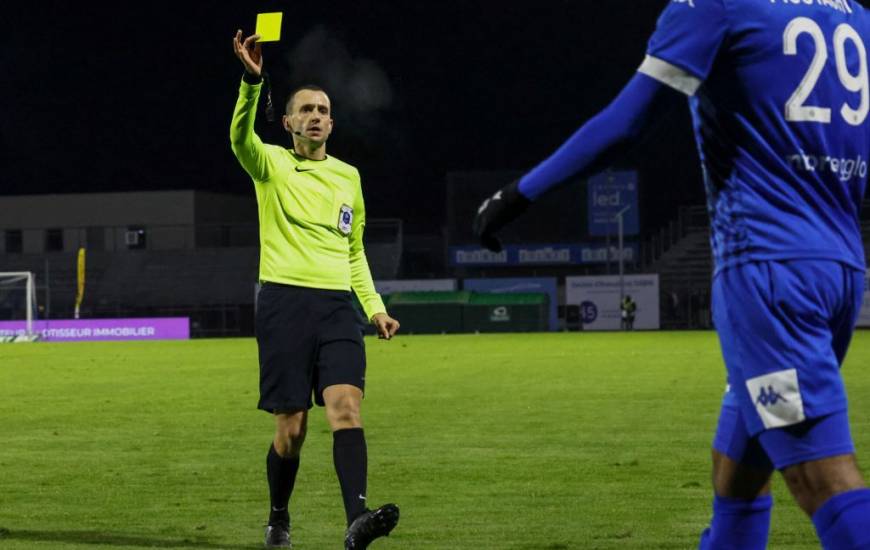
(18, 303)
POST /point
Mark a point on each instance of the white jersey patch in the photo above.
(777, 398)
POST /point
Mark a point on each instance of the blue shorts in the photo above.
(784, 328)
(780, 448)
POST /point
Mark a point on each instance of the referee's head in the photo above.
(308, 114)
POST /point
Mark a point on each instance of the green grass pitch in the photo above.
(534, 442)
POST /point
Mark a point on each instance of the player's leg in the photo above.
(282, 462)
(340, 368)
(741, 483)
(349, 451)
(799, 400)
(340, 371)
(815, 482)
(286, 353)
(736, 480)
(741, 469)
(831, 487)
(290, 430)
(826, 483)
(350, 456)
(741, 507)
(817, 459)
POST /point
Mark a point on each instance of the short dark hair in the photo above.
(288, 105)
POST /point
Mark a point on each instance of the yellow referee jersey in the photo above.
(311, 213)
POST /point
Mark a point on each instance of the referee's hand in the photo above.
(386, 326)
(497, 211)
(249, 52)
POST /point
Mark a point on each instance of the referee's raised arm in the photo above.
(246, 144)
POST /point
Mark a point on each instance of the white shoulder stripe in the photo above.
(670, 75)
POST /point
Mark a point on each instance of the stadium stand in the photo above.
(685, 269)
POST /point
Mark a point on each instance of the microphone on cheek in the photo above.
(302, 136)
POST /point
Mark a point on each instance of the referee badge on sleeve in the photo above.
(345, 219)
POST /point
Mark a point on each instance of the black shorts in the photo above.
(308, 339)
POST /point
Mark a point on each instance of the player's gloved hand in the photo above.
(497, 211)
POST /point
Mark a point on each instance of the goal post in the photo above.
(17, 290)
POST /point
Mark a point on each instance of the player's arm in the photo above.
(361, 276)
(246, 144)
(595, 146)
(680, 55)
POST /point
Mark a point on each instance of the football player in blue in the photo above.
(779, 94)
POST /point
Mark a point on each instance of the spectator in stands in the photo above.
(312, 217)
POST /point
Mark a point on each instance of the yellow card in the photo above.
(269, 26)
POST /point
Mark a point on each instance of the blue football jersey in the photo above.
(780, 95)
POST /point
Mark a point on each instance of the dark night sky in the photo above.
(133, 96)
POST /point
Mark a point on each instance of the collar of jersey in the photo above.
(300, 158)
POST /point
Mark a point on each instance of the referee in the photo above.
(312, 217)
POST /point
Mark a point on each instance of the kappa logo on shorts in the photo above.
(777, 398)
(345, 219)
(769, 396)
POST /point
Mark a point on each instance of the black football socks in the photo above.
(351, 461)
(281, 473)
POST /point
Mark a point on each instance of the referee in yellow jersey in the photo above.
(312, 217)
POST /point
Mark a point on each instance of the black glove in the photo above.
(497, 211)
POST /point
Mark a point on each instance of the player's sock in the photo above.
(351, 462)
(281, 473)
(842, 522)
(738, 524)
